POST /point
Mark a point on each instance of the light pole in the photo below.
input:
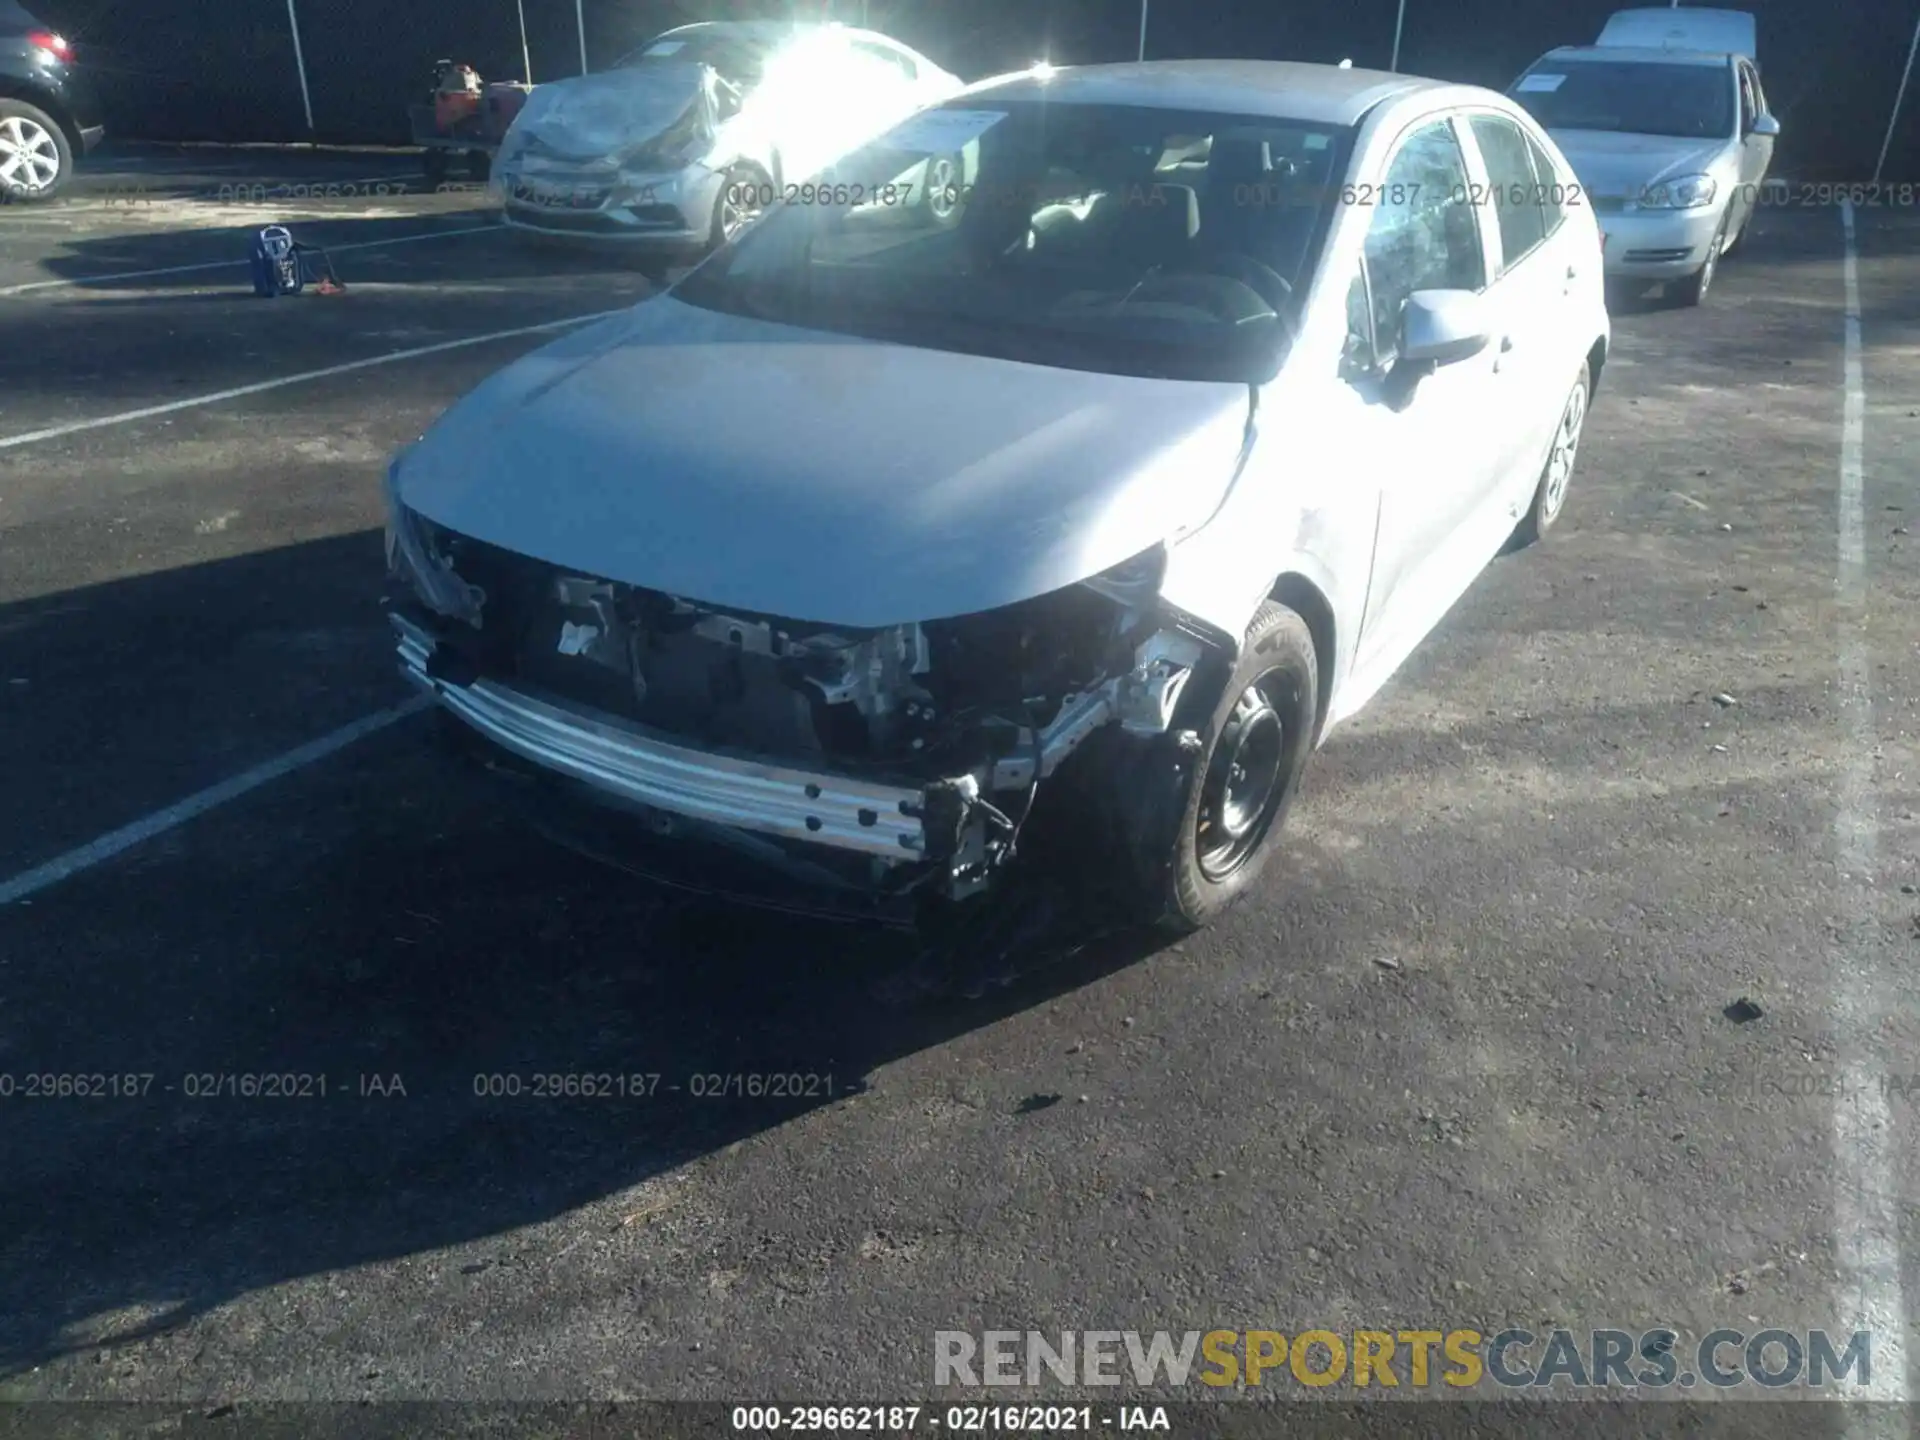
(1399, 25)
(1143, 29)
(1893, 120)
(300, 63)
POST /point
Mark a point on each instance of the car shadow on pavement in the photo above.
(125, 255)
(316, 1021)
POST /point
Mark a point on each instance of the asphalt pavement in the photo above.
(1473, 1056)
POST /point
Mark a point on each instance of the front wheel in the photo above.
(738, 202)
(1737, 236)
(35, 159)
(1693, 290)
(942, 190)
(1253, 751)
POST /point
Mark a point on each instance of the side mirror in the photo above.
(1764, 125)
(1443, 327)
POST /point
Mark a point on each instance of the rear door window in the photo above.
(1556, 191)
(1514, 191)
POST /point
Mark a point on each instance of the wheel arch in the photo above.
(1300, 595)
(1596, 362)
(12, 88)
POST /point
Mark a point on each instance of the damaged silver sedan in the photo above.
(891, 557)
(684, 140)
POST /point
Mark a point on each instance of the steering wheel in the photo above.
(1182, 286)
(1266, 282)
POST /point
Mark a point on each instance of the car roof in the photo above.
(1636, 55)
(733, 27)
(1284, 89)
(774, 32)
(763, 29)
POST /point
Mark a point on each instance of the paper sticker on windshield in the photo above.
(665, 47)
(1540, 84)
(1316, 141)
(939, 132)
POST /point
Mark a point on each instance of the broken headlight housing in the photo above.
(413, 558)
(1133, 583)
(678, 146)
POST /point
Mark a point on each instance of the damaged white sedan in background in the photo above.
(681, 142)
(885, 555)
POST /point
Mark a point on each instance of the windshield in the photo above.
(1630, 98)
(738, 57)
(1122, 239)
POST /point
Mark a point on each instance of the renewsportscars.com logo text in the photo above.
(1414, 1358)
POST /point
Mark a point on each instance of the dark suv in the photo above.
(48, 111)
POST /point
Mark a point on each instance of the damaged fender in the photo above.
(1226, 569)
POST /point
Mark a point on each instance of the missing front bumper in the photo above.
(881, 821)
(889, 837)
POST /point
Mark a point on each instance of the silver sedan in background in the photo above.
(1671, 147)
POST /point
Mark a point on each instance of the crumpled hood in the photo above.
(597, 116)
(820, 477)
(1623, 165)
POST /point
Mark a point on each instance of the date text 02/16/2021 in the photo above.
(960, 1419)
(647, 1084)
(198, 1085)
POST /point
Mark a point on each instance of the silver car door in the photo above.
(1740, 203)
(1433, 445)
(1757, 148)
(1532, 295)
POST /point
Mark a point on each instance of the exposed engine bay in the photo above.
(968, 715)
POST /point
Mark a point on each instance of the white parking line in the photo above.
(236, 263)
(125, 417)
(127, 836)
(1866, 1217)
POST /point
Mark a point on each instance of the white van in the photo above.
(1718, 32)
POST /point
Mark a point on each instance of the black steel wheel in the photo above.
(1253, 751)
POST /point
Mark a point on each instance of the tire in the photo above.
(940, 202)
(434, 166)
(1556, 475)
(1737, 238)
(1264, 719)
(34, 151)
(728, 214)
(1693, 290)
